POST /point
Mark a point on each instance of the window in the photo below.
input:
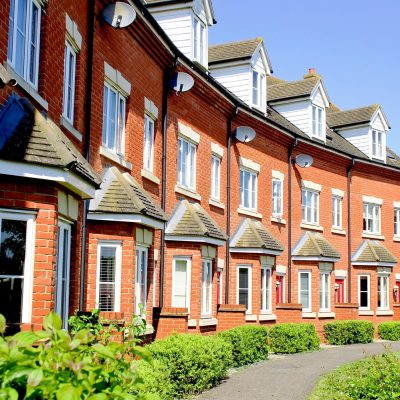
(266, 289)
(148, 151)
(305, 290)
(24, 39)
(280, 289)
(141, 280)
(372, 218)
(206, 288)
(377, 144)
(16, 263)
(114, 107)
(69, 83)
(324, 291)
(277, 198)
(219, 286)
(397, 221)
(397, 292)
(215, 177)
(363, 292)
(108, 276)
(336, 212)
(181, 283)
(317, 121)
(199, 33)
(310, 206)
(383, 292)
(248, 189)
(186, 164)
(258, 80)
(244, 286)
(339, 291)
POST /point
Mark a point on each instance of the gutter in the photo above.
(349, 169)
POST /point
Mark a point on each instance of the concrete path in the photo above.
(291, 377)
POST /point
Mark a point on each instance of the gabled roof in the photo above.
(190, 222)
(355, 116)
(253, 236)
(314, 246)
(373, 252)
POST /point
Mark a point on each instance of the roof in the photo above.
(27, 136)
(252, 234)
(372, 252)
(289, 90)
(120, 193)
(314, 245)
(351, 117)
(242, 50)
(190, 219)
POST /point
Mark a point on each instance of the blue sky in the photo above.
(353, 44)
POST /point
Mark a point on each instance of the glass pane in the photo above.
(33, 45)
(106, 296)
(243, 278)
(363, 299)
(243, 297)
(11, 290)
(180, 283)
(304, 282)
(11, 32)
(304, 300)
(21, 37)
(363, 284)
(111, 119)
(107, 264)
(105, 113)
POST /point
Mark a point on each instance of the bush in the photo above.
(195, 362)
(293, 338)
(349, 332)
(389, 330)
(249, 344)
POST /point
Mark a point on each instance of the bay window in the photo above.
(206, 288)
(244, 286)
(181, 282)
(324, 291)
(266, 279)
(141, 279)
(305, 290)
(363, 292)
(383, 292)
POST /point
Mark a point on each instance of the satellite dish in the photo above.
(182, 82)
(119, 14)
(244, 134)
(304, 160)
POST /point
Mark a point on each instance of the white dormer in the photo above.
(317, 112)
(186, 23)
(242, 67)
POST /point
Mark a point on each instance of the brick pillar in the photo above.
(231, 315)
(288, 312)
(346, 311)
(169, 320)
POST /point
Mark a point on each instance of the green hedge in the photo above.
(389, 330)
(349, 332)
(293, 338)
(249, 344)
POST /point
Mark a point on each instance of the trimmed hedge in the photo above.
(293, 338)
(349, 332)
(249, 344)
(389, 330)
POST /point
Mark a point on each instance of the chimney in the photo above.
(311, 73)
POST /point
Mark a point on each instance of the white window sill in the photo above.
(216, 203)
(338, 231)
(250, 213)
(26, 87)
(396, 238)
(208, 322)
(384, 312)
(312, 227)
(115, 157)
(365, 312)
(326, 314)
(367, 235)
(278, 220)
(267, 317)
(309, 315)
(192, 323)
(69, 127)
(150, 176)
(187, 192)
(251, 317)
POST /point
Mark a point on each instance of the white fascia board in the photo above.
(373, 200)
(326, 259)
(324, 93)
(373, 264)
(310, 185)
(255, 250)
(195, 239)
(133, 218)
(379, 112)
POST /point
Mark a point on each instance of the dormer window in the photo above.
(258, 82)
(317, 122)
(377, 144)
(199, 33)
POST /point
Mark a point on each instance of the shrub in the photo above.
(249, 344)
(293, 338)
(195, 362)
(349, 332)
(389, 330)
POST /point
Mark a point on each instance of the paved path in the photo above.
(290, 377)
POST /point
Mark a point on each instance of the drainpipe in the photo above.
(349, 169)
(86, 150)
(228, 200)
(291, 148)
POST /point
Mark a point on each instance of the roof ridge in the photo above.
(371, 247)
(356, 109)
(125, 184)
(191, 207)
(258, 39)
(251, 224)
(315, 243)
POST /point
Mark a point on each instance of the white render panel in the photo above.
(298, 113)
(377, 123)
(258, 63)
(358, 137)
(318, 99)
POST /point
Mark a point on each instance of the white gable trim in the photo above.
(239, 231)
(320, 86)
(175, 217)
(255, 250)
(195, 239)
(132, 218)
(265, 59)
(105, 184)
(379, 113)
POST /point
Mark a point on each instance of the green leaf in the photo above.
(26, 338)
(143, 353)
(99, 396)
(69, 392)
(35, 377)
(52, 322)
(104, 351)
(2, 324)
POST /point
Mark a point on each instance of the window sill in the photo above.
(187, 192)
(249, 213)
(365, 312)
(26, 87)
(69, 127)
(216, 203)
(396, 238)
(338, 231)
(309, 315)
(208, 321)
(267, 317)
(378, 236)
(278, 220)
(150, 176)
(251, 317)
(115, 157)
(384, 312)
(326, 314)
(192, 323)
(312, 227)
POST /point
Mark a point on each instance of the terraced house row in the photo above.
(242, 199)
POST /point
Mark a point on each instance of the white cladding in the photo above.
(378, 124)
(298, 113)
(359, 137)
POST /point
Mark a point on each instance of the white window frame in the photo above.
(304, 272)
(215, 178)
(375, 227)
(188, 279)
(277, 202)
(206, 304)
(383, 296)
(221, 272)
(199, 40)
(257, 88)
(337, 211)
(317, 120)
(118, 145)
(252, 192)
(377, 144)
(397, 222)
(11, 55)
(368, 291)
(324, 291)
(118, 265)
(26, 312)
(249, 293)
(69, 82)
(148, 143)
(314, 207)
(187, 178)
(266, 289)
(139, 278)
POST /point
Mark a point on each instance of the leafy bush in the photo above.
(293, 338)
(349, 332)
(249, 344)
(195, 362)
(389, 330)
(377, 377)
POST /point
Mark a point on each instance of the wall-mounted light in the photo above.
(277, 284)
(395, 289)
(337, 286)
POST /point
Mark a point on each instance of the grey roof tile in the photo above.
(374, 251)
(351, 117)
(232, 51)
(315, 245)
(288, 90)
